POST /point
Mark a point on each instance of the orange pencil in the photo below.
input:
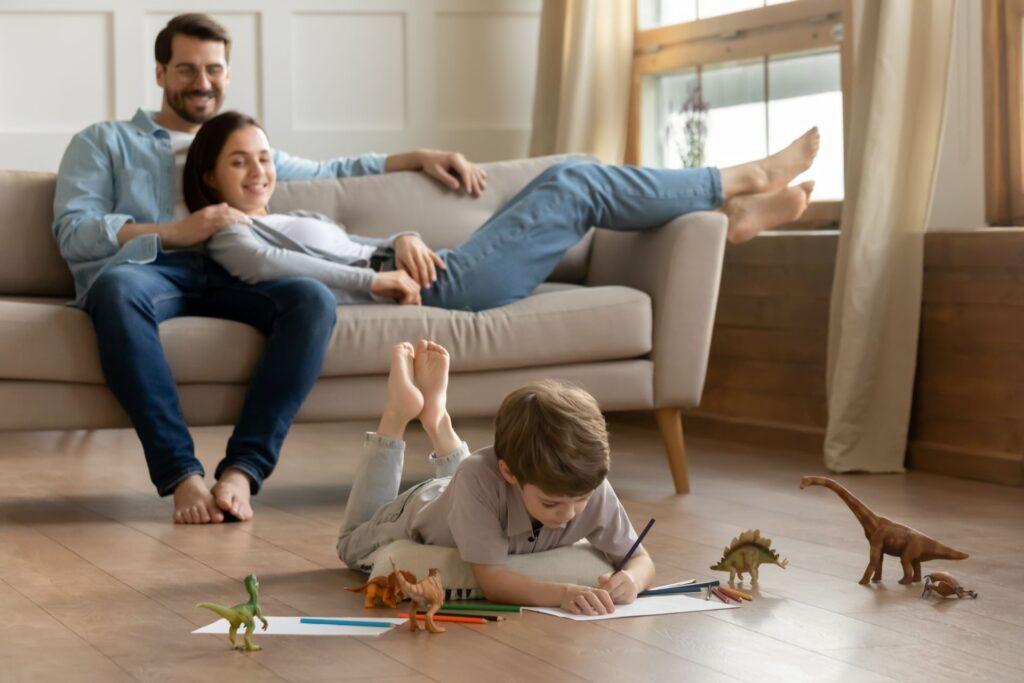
(450, 620)
(733, 593)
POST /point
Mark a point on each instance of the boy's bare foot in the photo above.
(232, 493)
(194, 504)
(404, 401)
(431, 368)
(786, 164)
(750, 214)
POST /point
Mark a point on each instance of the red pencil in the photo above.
(451, 620)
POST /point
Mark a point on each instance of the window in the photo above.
(719, 82)
(1004, 132)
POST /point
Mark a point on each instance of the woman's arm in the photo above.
(252, 260)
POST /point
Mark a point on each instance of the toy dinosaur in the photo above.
(945, 585)
(242, 613)
(384, 589)
(745, 554)
(889, 538)
(426, 595)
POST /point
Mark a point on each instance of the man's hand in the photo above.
(202, 225)
(452, 170)
(620, 586)
(397, 285)
(586, 600)
(417, 259)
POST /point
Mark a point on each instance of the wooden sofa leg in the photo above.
(670, 422)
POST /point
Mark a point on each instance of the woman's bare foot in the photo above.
(194, 504)
(774, 172)
(751, 214)
(404, 401)
(232, 493)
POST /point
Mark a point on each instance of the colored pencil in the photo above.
(345, 622)
(447, 619)
(684, 588)
(488, 617)
(480, 606)
(636, 545)
(733, 592)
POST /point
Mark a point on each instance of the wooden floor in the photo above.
(96, 584)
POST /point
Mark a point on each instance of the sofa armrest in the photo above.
(679, 265)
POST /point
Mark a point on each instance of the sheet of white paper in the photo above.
(290, 626)
(643, 607)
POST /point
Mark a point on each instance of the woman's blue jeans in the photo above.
(519, 246)
(128, 302)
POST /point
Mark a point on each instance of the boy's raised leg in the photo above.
(431, 371)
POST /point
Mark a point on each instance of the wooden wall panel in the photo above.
(766, 375)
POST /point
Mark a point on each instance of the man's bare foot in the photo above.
(431, 366)
(786, 164)
(404, 401)
(232, 493)
(751, 214)
(194, 504)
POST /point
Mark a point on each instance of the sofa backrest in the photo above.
(382, 205)
(31, 264)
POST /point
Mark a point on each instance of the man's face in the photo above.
(195, 79)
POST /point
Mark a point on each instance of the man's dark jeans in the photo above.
(128, 302)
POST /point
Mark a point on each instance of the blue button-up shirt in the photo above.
(120, 171)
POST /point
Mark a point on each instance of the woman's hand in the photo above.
(397, 285)
(586, 600)
(450, 168)
(417, 259)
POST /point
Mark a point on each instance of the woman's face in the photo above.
(244, 176)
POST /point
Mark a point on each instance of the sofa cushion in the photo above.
(30, 262)
(558, 324)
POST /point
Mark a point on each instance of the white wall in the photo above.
(959, 201)
(326, 77)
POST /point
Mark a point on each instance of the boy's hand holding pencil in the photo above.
(620, 586)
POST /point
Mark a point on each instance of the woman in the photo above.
(230, 162)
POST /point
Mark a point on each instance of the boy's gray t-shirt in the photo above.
(483, 516)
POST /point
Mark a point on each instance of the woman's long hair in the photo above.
(203, 153)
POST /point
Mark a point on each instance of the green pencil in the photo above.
(481, 606)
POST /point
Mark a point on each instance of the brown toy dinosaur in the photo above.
(889, 537)
(426, 595)
(384, 589)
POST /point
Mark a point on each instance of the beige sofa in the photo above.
(628, 316)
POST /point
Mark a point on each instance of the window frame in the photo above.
(1003, 93)
(750, 34)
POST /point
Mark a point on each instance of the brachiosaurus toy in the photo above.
(384, 589)
(427, 595)
(243, 613)
(889, 538)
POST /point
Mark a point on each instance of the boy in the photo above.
(541, 486)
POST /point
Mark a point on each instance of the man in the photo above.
(137, 260)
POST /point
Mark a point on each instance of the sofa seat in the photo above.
(558, 324)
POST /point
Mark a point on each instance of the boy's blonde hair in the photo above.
(552, 434)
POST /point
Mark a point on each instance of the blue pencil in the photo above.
(677, 590)
(635, 546)
(345, 622)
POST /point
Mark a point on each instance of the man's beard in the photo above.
(177, 103)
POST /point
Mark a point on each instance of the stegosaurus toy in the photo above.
(745, 554)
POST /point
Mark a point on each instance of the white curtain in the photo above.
(901, 58)
(583, 76)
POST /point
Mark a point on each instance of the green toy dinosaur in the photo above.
(242, 613)
(745, 554)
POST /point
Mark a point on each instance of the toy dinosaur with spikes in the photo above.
(242, 613)
(888, 538)
(745, 554)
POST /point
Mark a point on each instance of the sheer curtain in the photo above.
(901, 59)
(583, 76)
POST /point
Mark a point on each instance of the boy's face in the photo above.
(548, 509)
